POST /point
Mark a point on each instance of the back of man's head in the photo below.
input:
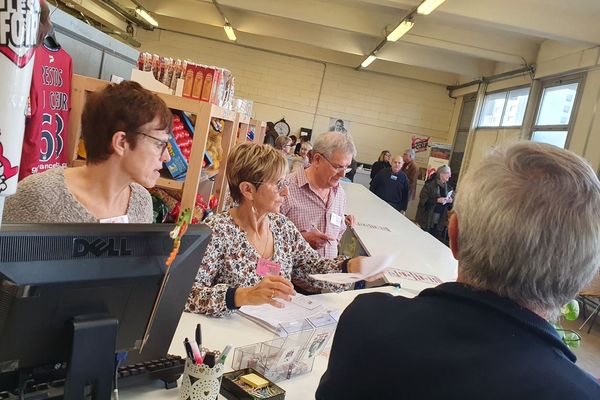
(529, 225)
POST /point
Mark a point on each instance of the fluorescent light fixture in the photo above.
(400, 30)
(144, 14)
(230, 32)
(368, 61)
(426, 7)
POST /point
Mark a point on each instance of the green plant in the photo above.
(570, 312)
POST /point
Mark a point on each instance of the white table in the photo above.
(239, 331)
(415, 249)
(381, 229)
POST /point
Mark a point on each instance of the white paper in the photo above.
(271, 317)
(369, 267)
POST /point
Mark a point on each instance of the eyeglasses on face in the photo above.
(280, 185)
(161, 145)
(337, 168)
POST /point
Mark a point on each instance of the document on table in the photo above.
(269, 317)
(410, 280)
(369, 268)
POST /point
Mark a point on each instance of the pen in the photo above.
(209, 359)
(313, 226)
(196, 353)
(199, 336)
(188, 350)
(224, 354)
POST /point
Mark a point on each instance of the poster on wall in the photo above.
(421, 147)
(339, 125)
(438, 156)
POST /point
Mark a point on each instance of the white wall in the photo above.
(384, 111)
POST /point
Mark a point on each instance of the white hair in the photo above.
(529, 225)
(330, 142)
(411, 153)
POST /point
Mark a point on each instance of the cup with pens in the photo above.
(203, 370)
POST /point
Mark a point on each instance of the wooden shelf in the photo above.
(204, 111)
(167, 183)
(223, 113)
(244, 119)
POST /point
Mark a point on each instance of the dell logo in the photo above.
(98, 247)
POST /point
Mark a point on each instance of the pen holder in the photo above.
(200, 382)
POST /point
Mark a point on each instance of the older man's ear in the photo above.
(453, 234)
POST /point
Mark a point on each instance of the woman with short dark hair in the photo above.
(125, 129)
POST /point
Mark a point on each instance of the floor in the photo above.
(588, 354)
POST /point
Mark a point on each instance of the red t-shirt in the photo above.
(45, 141)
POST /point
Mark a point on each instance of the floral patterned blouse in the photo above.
(230, 262)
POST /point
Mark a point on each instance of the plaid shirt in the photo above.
(308, 211)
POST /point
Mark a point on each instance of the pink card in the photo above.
(267, 267)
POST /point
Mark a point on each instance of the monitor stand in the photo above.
(91, 368)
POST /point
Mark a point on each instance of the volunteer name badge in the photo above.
(267, 267)
(393, 177)
(336, 219)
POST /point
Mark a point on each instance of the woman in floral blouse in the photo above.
(255, 252)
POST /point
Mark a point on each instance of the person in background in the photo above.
(294, 140)
(303, 139)
(382, 162)
(125, 129)
(434, 201)
(284, 143)
(255, 253)
(270, 134)
(302, 160)
(412, 172)
(316, 203)
(352, 170)
(391, 185)
(486, 336)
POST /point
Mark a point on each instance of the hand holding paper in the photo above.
(369, 267)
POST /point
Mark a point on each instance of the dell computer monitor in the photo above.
(74, 294)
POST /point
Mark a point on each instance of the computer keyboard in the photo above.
(167, 369)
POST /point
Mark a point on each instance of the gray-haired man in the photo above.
(523, 251)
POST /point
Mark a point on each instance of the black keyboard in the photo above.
(167, 369)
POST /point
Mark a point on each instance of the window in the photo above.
(554, 113)
(504, 108)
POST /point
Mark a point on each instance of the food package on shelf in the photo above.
(243, 106)
(180, 146)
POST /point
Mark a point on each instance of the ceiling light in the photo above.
(230, 32)
(144, 14)
(368, 61)
(400, 30)
(428, 6)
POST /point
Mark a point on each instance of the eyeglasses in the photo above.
(337, 168)
(161, 145)
(279, 185)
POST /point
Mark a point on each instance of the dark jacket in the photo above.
(428, 202)
(450, 342)
(412, 172)
(378, 166)
(392, 188)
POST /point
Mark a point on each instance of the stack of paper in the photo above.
(370, 267)
(298, 309)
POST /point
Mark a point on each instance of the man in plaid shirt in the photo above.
(316, 202)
